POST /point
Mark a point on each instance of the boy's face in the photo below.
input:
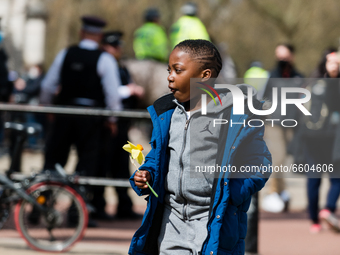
(181, 68)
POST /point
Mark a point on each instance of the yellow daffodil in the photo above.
(137, 154)
(135, 151)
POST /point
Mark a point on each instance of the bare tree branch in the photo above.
(276, 17)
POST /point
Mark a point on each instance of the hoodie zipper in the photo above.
(184, 210)
(182, 170)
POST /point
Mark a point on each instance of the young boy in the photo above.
(201, 215)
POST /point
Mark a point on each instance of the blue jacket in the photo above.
(227, 225)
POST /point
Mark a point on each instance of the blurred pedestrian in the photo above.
(35, 75)
(150, 40)
(87, 77)
(189, 26)
(332, 96)
(278, 137)
(6, 86)
(314, 141)
(113, 161)
(25, 91)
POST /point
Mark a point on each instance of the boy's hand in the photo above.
(141, 178)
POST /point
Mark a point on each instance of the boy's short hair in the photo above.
(203, 52)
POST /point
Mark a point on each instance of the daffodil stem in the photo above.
(147, 183)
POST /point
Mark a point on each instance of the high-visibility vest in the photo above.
(151, 42)
(258, 78)
(187, 27)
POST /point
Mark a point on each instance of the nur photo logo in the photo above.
(209, 93)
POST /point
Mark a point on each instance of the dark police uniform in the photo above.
(114, 161)
(88, 77)
(81, 84)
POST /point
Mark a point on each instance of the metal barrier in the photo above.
(141, 114)
(81, 180)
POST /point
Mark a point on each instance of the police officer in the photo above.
(128, 91)
(150, 40)
(189, 26)
(257, 77)
(81, 75)
(114, 161)
(6, 86)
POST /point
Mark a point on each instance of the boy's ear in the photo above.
(206, 74)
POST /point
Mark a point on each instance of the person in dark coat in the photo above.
(83, 76)
(277, 137)
(332, 148)
(114, 161)
(314, 140)
(5, 85)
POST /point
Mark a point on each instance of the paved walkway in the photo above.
(284, 234)
(280, 234)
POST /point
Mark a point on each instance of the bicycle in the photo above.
(50, 213)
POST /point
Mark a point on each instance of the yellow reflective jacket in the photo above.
(151, 42)
(187, 27)
(256, 77)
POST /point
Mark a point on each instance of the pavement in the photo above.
(279, 234)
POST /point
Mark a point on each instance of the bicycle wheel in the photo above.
(59, 232)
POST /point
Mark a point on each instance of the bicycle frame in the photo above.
(30, 198)
(18, 190)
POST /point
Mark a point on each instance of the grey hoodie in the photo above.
(193, 140)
